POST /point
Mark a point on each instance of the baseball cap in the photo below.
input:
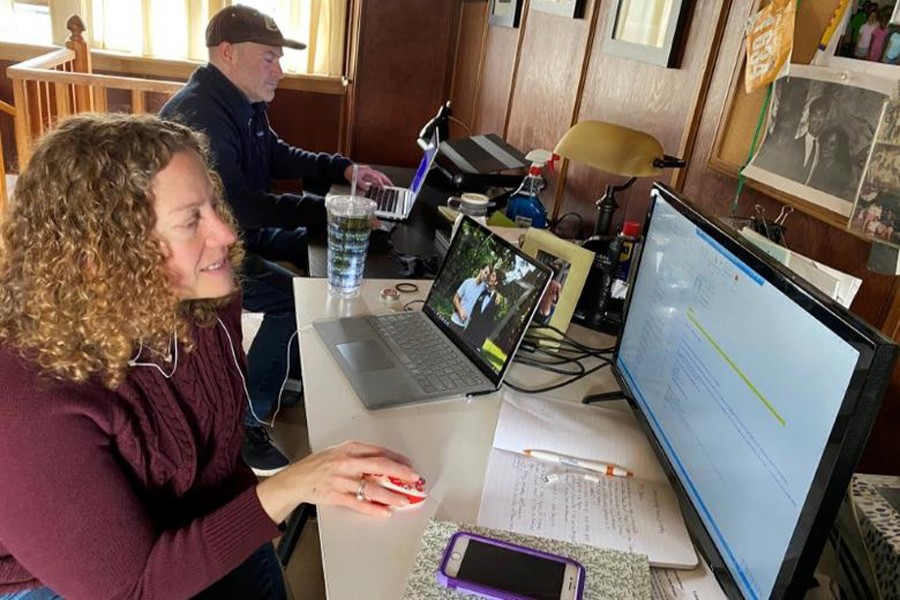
(241, 23)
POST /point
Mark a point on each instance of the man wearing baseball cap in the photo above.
(227, 99)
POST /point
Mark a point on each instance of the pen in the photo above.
(590, 465)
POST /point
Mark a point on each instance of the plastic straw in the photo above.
(353, 182)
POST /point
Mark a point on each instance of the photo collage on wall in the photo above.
(877, 210)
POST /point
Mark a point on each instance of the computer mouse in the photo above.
(414, 491)
(380, 241)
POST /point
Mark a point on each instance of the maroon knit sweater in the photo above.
(136, 493)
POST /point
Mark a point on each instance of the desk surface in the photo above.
(448, 442)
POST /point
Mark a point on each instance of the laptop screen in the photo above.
(424, 165)
(485, 295)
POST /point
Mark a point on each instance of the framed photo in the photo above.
(867, 40)
(646, 30)
(505, 13)
(574, 9)
(570, 264)
(820, 135)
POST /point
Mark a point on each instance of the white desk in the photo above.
(448, 442)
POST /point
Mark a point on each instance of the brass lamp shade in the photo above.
(612, 148)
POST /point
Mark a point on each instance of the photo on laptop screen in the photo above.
(486, 295)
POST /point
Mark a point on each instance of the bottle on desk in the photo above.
(524, 207)
(612, 261)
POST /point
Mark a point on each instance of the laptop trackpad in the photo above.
(365, 356)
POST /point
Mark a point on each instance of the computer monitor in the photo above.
(756, 391)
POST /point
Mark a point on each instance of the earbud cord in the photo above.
(132, 362)
(244, 381)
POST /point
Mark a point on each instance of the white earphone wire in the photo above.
(244, 381)
(133, 362)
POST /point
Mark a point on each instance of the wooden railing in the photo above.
(58, 84)
(11, 111)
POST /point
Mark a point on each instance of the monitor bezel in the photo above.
(847, 440)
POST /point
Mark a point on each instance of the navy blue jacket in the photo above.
(247, 154)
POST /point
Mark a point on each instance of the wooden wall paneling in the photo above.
(496, 80)
(548, 86)
(686, 148)
(348, 109)
(642, 96)
(551, 61)
(470, 51)
(707, 187)
(307, 120)
(403, 75)
(7, 126)
(523, 27)
(882, 454)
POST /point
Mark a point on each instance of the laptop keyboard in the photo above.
(428, 356)
(386, 199)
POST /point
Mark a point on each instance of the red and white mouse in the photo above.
(413, 491)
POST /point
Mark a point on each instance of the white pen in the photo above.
(590, 465)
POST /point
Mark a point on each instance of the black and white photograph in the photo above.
(818, 139)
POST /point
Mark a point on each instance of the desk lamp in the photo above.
(618, 150)
(621, 151)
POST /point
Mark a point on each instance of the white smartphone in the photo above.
(497, 569)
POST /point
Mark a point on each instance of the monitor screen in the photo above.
(756, 391)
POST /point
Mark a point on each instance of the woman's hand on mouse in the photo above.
(335, 477)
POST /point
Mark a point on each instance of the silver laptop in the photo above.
(463, 340)
(395, 203)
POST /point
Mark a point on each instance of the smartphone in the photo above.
(495, 569)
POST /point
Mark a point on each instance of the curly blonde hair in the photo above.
(82, 278)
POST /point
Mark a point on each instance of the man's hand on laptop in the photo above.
(366, 177)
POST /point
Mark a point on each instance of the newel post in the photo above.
(82, 63)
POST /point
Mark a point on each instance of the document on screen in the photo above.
(539, 497)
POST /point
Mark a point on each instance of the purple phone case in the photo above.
(493, 593)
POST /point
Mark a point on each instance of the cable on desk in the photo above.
(552, 367)
(556, 386)
(408, 305)
(564, 352)
(564, 339)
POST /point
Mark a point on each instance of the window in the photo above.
(25, 22)
(175, 29)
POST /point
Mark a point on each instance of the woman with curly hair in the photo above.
(122, 382)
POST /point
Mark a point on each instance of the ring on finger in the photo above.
(361, 491)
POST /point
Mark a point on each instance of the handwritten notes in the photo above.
(629, 514)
